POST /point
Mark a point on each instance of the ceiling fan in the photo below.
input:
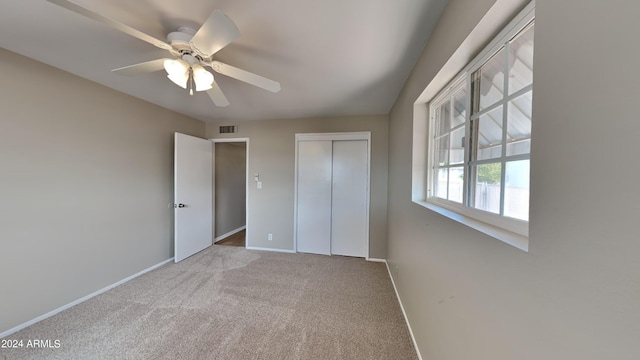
(192, 51)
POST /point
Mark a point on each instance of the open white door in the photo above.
(193, 191)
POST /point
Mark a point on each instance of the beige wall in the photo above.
(86, 174)
(230, 187)
(272, 155)
(575, 295)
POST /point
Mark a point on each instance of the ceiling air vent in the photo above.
(228, 129)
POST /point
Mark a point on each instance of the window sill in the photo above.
(516, 240)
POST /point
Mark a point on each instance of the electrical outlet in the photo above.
(270, 237)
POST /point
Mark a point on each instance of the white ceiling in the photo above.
(332, 57)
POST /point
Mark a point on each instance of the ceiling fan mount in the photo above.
(180, 39)
(192, 51)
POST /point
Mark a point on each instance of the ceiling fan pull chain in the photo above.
(191, 81)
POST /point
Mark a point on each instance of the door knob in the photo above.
(182, 205)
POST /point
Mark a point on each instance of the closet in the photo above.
(332, 194)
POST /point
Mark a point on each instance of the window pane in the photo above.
(487, 187)
(519, 125)
(489, 81)
(457, 146)
(441, 183)
(442, 150)
(516, 190)
(488, 140)
(444, 118)
(521, 55)
(459, 108)
(456, 184)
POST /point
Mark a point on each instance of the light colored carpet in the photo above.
(232, 303)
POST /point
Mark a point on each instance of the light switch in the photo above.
(259, 184)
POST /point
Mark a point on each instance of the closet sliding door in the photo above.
(314, 196)
(349, 225)
(332, 194)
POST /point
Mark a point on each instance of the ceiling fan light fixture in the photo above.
(191, 48)
(177, 71)
(180, 80)
(202, 78)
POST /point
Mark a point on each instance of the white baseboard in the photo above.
(270, 249)
(404, 313)
(377, 260)
(83, 299)
(229, 233)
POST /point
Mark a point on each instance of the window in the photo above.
(480, 134)
(448, 116)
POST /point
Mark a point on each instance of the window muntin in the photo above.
(482, 166)
(449, 125)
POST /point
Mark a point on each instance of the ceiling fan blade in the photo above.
(243, 75)
(216, 95)
(114, 24)
(217, 32)
(141, 68)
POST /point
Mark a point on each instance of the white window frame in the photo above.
(509, 230)
(447, 93)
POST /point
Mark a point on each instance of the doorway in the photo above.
(230, 191)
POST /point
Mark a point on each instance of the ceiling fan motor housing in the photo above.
(180, 39)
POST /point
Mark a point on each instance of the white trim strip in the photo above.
(404, 313)
(81, 300)
(376, 260)
(270, 249)
(229, 233)
(223, 140)
(357, 135)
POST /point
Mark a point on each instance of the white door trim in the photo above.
(363, 135)
(246, 181)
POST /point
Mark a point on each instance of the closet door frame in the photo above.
(364, 135)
